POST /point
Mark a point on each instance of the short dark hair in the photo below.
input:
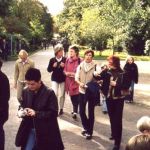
(75, 48)
(1, 63)
(89, 51)
(33, 74)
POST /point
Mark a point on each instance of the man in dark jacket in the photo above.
(39, 128)
(4, 98)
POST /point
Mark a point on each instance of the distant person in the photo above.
(143, 124)
(139, 142)
(65, 43)
(4, 50)
(1, 46)
(71, 86)
(132, 69)
(56, 66)
(21, 67)
(4, 106)
(39, 127)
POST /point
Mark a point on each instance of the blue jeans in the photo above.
(103, 101)
(130, 97)
(31, 140)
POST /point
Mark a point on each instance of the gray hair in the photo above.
(58, 48)
(143, 124)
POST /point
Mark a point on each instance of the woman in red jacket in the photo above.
(71, 86)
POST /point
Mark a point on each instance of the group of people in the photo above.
(83, 80)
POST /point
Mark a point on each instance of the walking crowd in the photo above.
(86, 83)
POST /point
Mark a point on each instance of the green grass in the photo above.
(123, 55)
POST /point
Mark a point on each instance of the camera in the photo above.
(22, 112)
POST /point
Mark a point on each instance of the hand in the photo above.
(30, 112)
(81, 85)
(55, 65)
(62, 64)
(113, 83)
(69, 74)
(96, 74)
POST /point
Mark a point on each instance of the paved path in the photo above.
(71, 129)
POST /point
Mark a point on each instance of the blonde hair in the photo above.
(22, 54)
(128, 57)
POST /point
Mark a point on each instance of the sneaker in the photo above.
(105, 112)
(72, 112)
(84, 132)
(74, 116)
(61, 112)
(88, 136)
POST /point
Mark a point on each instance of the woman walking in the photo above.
(71, 86)
(132, 69)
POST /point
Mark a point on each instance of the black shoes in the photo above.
(116, 147)
(105, 112)
(86, 135)
(111, 138)
(61, 112)
(84, 132)
(74, 115)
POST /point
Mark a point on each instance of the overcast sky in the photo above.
(54, 6)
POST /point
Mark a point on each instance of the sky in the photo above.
(54, 6)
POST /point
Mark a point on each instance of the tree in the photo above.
(5, 7)
(138, 30)
(147, 47)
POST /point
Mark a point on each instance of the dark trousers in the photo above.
(2, 137)
(75, 102)
(115, 111)
(87, 121)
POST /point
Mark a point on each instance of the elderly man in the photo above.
(21, 67)
(4, 98)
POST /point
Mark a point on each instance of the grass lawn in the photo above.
(123, 55)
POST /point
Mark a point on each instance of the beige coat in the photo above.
(21, 69)
(83, 76)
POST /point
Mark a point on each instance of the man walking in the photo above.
(39, 127)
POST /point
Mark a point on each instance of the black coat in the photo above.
(106, 76)
(92, 92)
(45, 122)
(57, 72)
(132, 70)
(4, 97)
